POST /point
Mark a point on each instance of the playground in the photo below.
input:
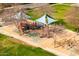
(64, 44)
(44, 32)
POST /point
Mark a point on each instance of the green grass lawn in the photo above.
(60, 10)
(10, 48)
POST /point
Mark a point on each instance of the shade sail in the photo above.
(21, 15)
(51, 20)
(44, 18)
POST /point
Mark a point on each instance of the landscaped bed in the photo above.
(10, 48)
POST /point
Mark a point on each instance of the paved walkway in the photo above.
(44, 43)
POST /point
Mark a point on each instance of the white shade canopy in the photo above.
(46, 19)
(21, 15)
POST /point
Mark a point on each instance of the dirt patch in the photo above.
(72, 16)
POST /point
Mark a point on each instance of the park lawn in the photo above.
(10, 48)
(60, 10)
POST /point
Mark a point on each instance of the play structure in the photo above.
(25, 24)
